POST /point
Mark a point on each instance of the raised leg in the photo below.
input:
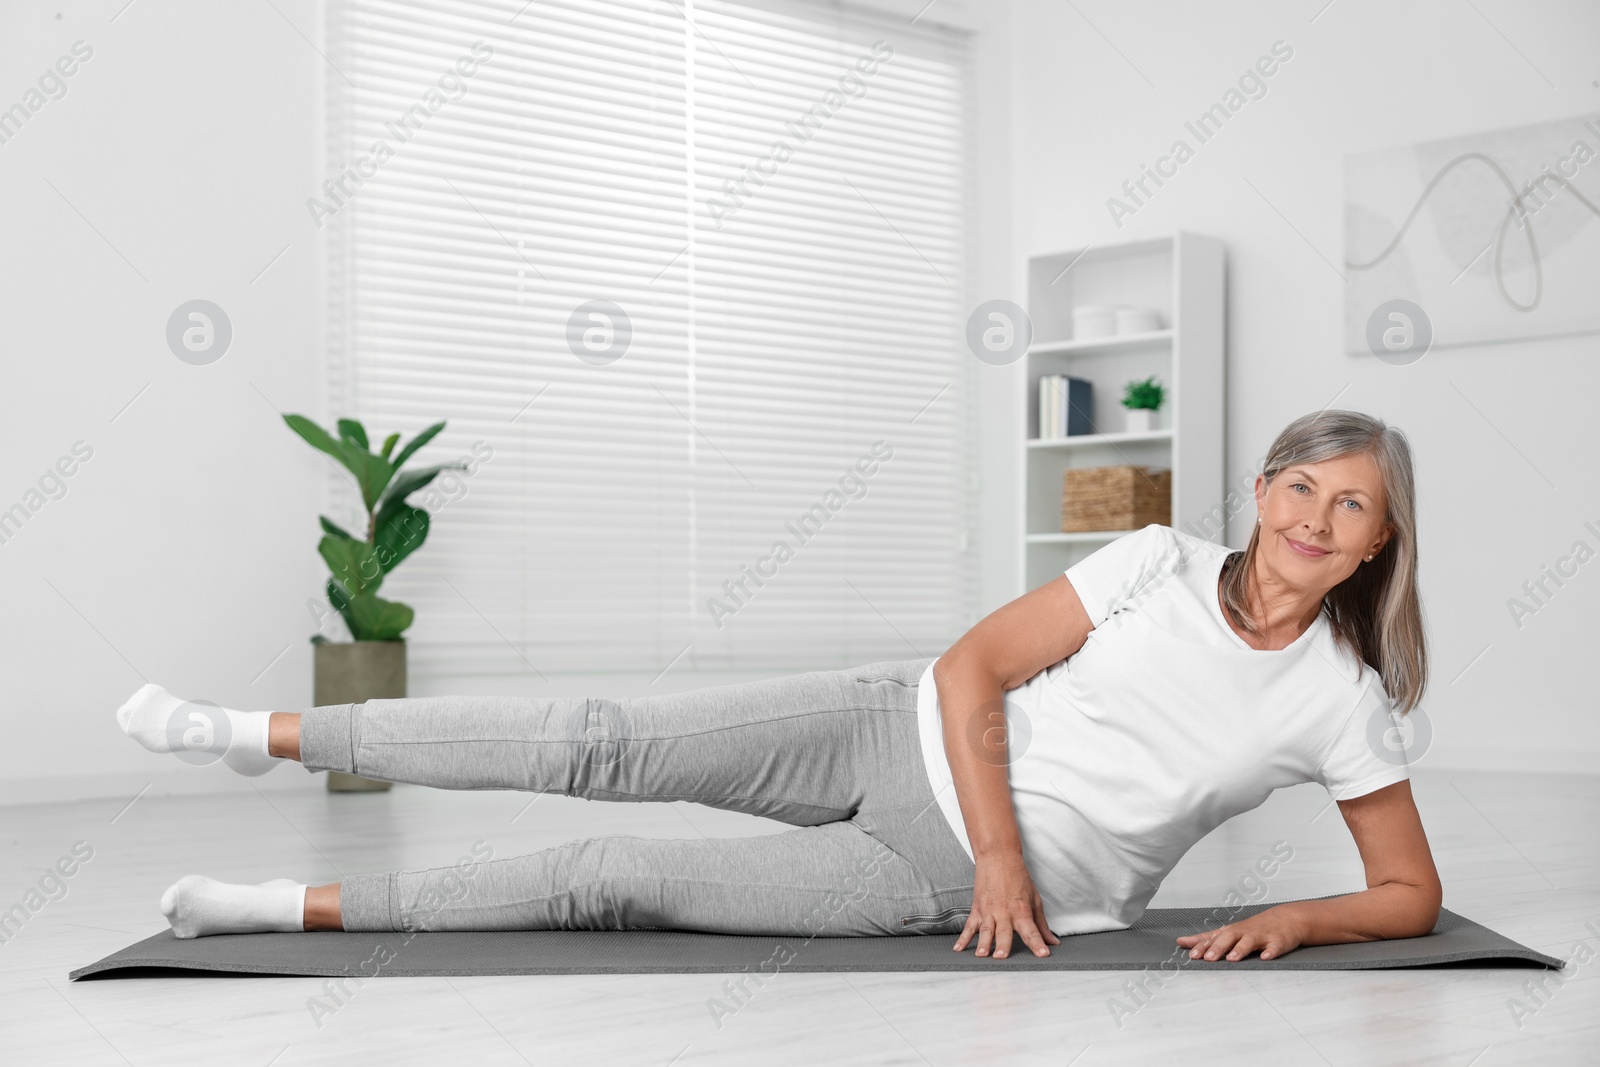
(806, 749)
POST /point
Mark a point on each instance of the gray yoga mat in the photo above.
(1147, 944)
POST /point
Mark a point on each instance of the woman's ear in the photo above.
(1383, 537)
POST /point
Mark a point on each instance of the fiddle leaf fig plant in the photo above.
(394, 528)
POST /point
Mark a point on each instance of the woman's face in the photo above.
(1319, 521)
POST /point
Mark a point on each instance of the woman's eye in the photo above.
(1298, 485)
(1357, 507)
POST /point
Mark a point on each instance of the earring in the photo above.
(1369, 559)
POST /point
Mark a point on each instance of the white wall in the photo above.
(1488, 425)
(183, 550)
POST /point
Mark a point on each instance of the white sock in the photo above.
(198, 906)
(162, 723)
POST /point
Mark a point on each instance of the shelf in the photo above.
(1182, 277)
(1076, 538)
(1101, 345)
(1087, 440)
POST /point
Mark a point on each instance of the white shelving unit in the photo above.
(1182, 276)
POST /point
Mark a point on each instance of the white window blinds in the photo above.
(765, 203)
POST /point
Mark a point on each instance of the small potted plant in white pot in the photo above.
(1143, 401)
(371, 666)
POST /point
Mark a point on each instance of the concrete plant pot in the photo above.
(352, 672)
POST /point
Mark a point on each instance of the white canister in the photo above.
(1093, 320)
(1131, 319)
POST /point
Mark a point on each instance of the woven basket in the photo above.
(1115, 498)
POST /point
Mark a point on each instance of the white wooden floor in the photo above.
(1519, 853)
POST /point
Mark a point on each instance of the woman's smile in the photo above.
(1310, 551)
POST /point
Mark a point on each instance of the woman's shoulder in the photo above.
(1159, 550)
(1133, 567)
(1197, 545)
(1182, 547)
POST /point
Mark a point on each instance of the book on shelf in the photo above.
(1065, 404)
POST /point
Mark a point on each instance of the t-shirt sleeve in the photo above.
(1112, 575)
(1366, 753)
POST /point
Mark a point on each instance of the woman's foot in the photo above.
(200, 733)
(198, 906)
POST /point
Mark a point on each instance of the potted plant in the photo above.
(1143, 401)
(372, 665)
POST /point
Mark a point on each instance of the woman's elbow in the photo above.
(1425, 913)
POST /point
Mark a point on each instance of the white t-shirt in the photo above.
(1164, 725)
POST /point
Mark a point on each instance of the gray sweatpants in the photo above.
(835, 753)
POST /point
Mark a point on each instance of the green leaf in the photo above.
(372, 473)
(378, 619)
(409, 483)
(331, 527)
(337, 596)
(319, 438)
(354, 564)
(400, 532)
(417, 442)
(389, 443)
(352, 431)
(373, 478)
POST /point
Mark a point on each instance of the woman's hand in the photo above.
(1004, 901)
(1272, 931)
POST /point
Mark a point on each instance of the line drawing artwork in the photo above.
(1496, 234)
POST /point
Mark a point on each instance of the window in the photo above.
(762, 208)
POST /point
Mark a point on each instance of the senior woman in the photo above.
(1038, 780)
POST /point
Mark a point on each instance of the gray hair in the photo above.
(1375, 614)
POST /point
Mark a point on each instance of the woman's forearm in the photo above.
(972, 709)
(1392, 910)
